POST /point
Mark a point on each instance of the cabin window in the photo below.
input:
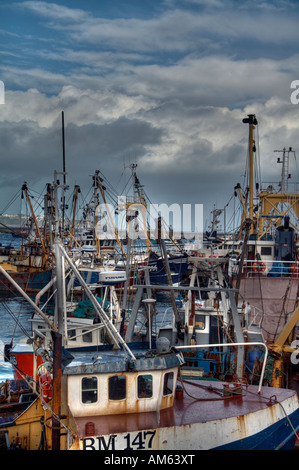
(71, 334)
(200, 322)
(266, 250)
(87, 336)
(89, 386)
(117, 387)
(168, 384)
(145, 386)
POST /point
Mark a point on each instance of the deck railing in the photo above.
(268, 268)
(264, 346)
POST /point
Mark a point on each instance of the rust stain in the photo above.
(241, 420)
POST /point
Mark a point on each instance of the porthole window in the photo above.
(89, 387)
(117, 387)
(145, 386)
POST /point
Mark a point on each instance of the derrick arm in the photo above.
(282, 338)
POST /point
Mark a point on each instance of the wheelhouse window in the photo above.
(87, 336)
(168, 383)
(117, 387)
(200, 322)
(89, 387)
(71, 334)
(145, 386)
(266, 250)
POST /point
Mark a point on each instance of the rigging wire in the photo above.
(30, 380)
(16, 319)
(15, 197)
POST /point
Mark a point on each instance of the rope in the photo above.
(234, 391)
(29, 381)
(273, 398)
(16, 319)
(43, 441)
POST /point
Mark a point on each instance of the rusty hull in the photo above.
(208, 406)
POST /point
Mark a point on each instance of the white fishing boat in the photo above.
(143, 404)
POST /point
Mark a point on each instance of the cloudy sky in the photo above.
(161, 83)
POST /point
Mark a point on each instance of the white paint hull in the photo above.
(266, 429)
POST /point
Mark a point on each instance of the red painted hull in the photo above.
(22, 358)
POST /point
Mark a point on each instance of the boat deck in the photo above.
(202, 402)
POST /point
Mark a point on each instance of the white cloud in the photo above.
(175, 29)
(167, 91)
(55, 11)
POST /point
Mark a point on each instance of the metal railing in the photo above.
(255, 317)
(195, 346)
(268, 268)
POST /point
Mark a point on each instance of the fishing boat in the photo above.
(82, 324)
(128, 402)
(205, 312)
(138, 400)
(262, 253)
(269, 277)
(178, 264)
(149, 407)
(30, 265)
(132, 236)
(5, 251)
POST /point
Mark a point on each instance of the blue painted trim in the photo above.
(278, 436)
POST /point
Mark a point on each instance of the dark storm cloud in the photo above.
(167, 90)
(32, 153)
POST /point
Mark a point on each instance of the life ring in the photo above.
(45, 382)
(294, 270)
(259, 267)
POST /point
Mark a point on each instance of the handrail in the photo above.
(194, 346)
(266, 267)
(255, 316)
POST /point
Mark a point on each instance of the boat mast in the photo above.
(252, 121)
(75, 200)
(101, 188)
(63, 169)
(45, 257)
(285, 167)
(96, 203)
(139, 198)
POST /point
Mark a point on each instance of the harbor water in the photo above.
(15, 314)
